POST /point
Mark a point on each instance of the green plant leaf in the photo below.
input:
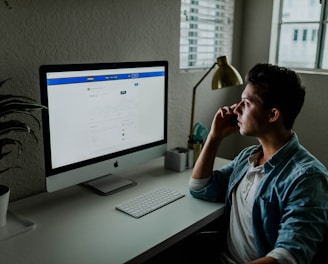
(9, 168)
(17, 104)
(15, 126)
(14, 105)
(2, 82)
(8, 141)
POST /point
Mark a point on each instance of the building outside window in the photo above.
(301, 38)
(206, 30)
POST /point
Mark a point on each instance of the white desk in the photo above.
(76, 225)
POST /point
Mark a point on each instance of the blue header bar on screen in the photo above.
(101, 78)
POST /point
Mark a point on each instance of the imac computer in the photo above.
(102, 118)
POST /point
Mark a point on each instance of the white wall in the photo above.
(312, 124)
(36, 32)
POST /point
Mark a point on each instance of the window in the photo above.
(302, 34)
(295, 34)
(206, 30)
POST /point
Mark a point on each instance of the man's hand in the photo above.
(221, 127)
(221, 124)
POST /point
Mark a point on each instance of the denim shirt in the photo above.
(291, 202)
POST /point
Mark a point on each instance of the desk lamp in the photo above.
(225, 76)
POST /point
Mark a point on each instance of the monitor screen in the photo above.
(102, 118)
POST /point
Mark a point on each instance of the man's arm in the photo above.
(204, 164)
(220, 129)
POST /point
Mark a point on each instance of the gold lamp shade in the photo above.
(225, 75)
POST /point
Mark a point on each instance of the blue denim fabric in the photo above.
(291, 202)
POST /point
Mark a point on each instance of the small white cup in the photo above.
(4, 201)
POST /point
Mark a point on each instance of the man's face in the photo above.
(252, 118)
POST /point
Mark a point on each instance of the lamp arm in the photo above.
(194, 99)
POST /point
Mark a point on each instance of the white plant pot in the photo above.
(4, 201)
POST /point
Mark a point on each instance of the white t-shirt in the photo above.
(240, 238)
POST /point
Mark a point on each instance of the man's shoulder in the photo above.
(307, 161)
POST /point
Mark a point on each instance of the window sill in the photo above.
(312, 71)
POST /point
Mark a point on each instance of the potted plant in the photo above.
(11, 107)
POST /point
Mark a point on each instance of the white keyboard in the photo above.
(149, 202)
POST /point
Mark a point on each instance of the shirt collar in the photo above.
(282, 154)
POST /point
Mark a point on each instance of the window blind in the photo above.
(206, 30)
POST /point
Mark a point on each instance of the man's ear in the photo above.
(274, 115)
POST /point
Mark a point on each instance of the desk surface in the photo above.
(75, 225)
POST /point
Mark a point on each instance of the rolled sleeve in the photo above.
(197, 184)
(282, 256)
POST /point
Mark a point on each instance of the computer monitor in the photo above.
(102, 118)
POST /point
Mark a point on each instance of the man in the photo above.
(276, 193)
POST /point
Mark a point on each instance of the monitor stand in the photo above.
(109, 184)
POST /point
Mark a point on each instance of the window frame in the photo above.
(321, 35)
(220, 23)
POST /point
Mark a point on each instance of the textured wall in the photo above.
(312, 124)
(36, 32)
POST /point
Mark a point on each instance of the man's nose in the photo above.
(237, 109)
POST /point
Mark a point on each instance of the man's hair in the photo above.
(280, 88)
